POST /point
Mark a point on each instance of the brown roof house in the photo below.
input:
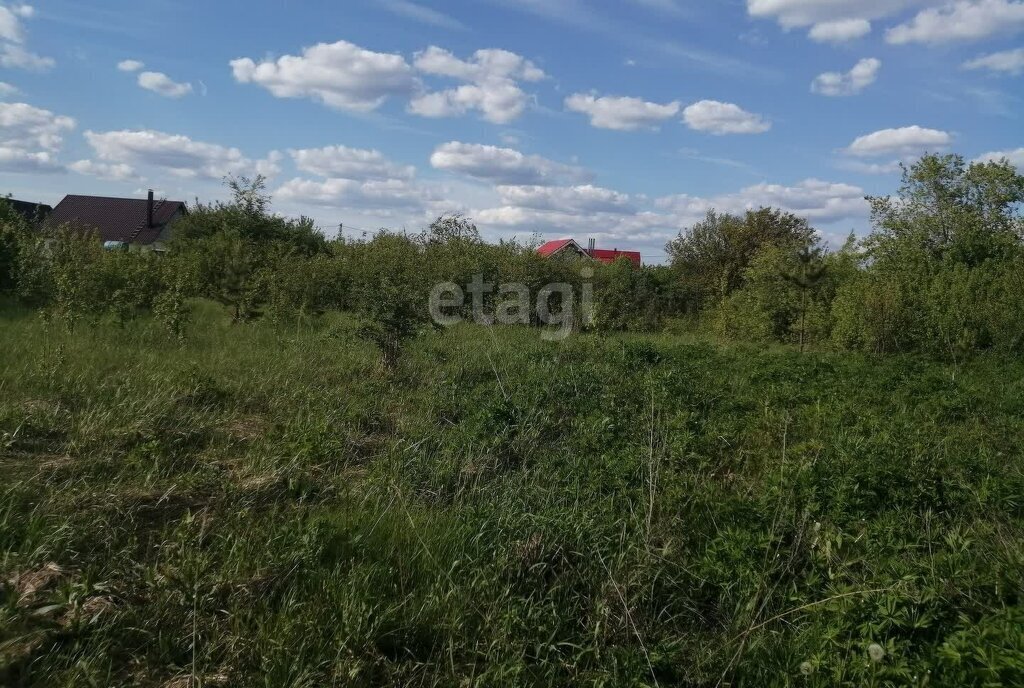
(34, 213)
(134, 223)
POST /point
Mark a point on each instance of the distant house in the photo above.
(35, 213)
(135, 223)
(570, 247)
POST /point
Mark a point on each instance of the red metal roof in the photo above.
(115, 219)
(554, 247)
(609, 256)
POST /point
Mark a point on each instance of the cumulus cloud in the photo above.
(27, 127)
(349, 163)
(904, 141)
(13, 53)
(1008, 61)
(578, 199)
(10, 22)
(963, 20)
(501, 165)
(1015, 157)
(829, 20)
(839, 31)
(491, 86)
(862, 167)
(164, 85)
(638, 222)
(714, 117)
(340, 75)
(850, 83)
(621, 113)
(130, 65)
(30, 138)
(176, 154)
(817, 200)
(108, 171)
(380, 195)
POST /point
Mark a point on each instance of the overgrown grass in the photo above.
(264, 506)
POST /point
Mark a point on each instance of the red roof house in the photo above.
(570, 247)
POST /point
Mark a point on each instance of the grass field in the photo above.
(264, 506)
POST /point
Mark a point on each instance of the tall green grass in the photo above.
(270, 506)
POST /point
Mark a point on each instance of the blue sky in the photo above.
(621, 120)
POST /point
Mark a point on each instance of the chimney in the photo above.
(592, 246)
(149, 209)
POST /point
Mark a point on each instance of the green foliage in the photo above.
(244, 509)
(942, 272)
(628, 298)
(716, 253)
(14, 231)
(939, 274)
(237, 249)
(391, 291)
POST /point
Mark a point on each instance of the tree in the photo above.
(948, 210)
(391, 292)
(14, 231)
(715, 253)
(807, 277)
(236, 248)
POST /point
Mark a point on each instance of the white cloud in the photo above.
(618, 220)
(492, 84)
(349, 163)
(108, 171)
(13, 54)
(30, 137)
(861, 167)
(963, 20)
(15, 160)
(1016, 157)
(163, 84)
(177, 154)
(643, 229)
(380, 195)
(1009, 61)
(26, 127)
(130, 65)
(6, 90)
(814, 199)
(719, 118)
(851, 83)
(579, 199)
(422, 14)
(340, 75)
(15, 57)
(904, 141)
(10, 22)
(621, 113)
(839, 31)
(501, 165)
(792, 14)
(486, 64)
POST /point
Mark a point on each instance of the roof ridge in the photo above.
(145, 223)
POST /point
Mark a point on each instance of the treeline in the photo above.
(263, 266)
(941, 272)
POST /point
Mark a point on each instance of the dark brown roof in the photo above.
(33, 212)
(115, 219)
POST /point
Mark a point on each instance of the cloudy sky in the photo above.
(621, 120)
